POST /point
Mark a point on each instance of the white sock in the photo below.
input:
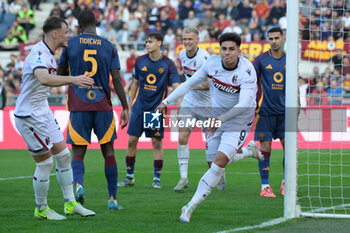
(183, 155)
(64, 174)
(41, 182)
(242, 154)
(208, 181)
(264, 186)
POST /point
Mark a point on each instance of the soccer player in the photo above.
(195, 104)
(91, 108)
(269, 124)
(153, 73)
(37, 124)
(233, 89)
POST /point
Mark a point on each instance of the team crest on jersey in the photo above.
(51, 61)
(161, 70)
(195, 64)
(47, 141)
(216, 71)
(234, 78)
(249, 71)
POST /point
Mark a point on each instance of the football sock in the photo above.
(264, 168)
(130, 165)
(41, 182)
(158, 165)
(243, 153)
(64, 174)
(183, 155)
(208, 181)
(111, 173)
(78, 169)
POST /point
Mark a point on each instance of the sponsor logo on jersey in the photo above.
(188, 72)
(144, 68)
(224, 86)
(269, 67)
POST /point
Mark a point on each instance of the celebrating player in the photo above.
(233, 89)
(195, 104)
(91, 108)
(152, 74)
(271, 72)
(37, 124)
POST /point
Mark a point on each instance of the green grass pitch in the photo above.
(147, 209)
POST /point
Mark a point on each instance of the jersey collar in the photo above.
(230, 69)
(48, 48)
(193, 55)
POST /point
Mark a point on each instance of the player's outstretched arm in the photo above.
(58, 80)
(119, 88)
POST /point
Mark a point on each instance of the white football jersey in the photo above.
(32, 100)
(197, 98)
(225, 86)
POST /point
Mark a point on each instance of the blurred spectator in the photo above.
(109, 33)
(346, 83)
(335, 93)
(133, 23)
(169, 38)
(221, 23)
(130, 64)
(141, 12)
(245, 12)
(303, 86)
(277, 11)
(153, 15)
(339, 7)
(169, 10)
(19, 32)
(202, 32)
(206, 5)
(337, 59)
(233, 27)
(263, 10)
(307, 8)
(208, 20)
(26, 18)
(191, 21)
(232, 9)
(184, 8)
(254, 23)
(319, 95)
(35, 4)
(248, 35)
(15, 6)
(10, 42)
(217, 8)
(346, 66)
(336, 75)
(164, 22)
(326, 31)
(117, 23)
(315, 77)
(123, 36)
(323, 11)
(346, 20)
(56, 10)
(72, 23)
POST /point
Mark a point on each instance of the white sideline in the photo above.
(21, 177)
(261, 225)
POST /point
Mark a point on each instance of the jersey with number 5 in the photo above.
(94, 56)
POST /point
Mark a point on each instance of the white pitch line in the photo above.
(264, 224)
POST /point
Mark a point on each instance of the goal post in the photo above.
(317, 159)
(292, 44)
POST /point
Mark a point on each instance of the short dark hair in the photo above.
(234, 37)
(53, 23)
(86, 18)
(155, 35)
(275, 29)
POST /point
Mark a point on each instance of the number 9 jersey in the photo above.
(95, 57)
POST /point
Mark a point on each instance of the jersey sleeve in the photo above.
(135, 72)
(256, 64)
(38, 61)
(115, 59)
(249, 80)
(63, 62)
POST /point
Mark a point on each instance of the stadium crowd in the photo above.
(126, 23)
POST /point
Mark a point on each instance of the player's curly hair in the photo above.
(86, 18)
(230, 37)
(53, 23)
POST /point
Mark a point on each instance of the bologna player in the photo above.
(37, 124)
(233, 90)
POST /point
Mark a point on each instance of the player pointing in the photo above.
(233, 89)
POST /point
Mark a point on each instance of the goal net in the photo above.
(323, 138)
